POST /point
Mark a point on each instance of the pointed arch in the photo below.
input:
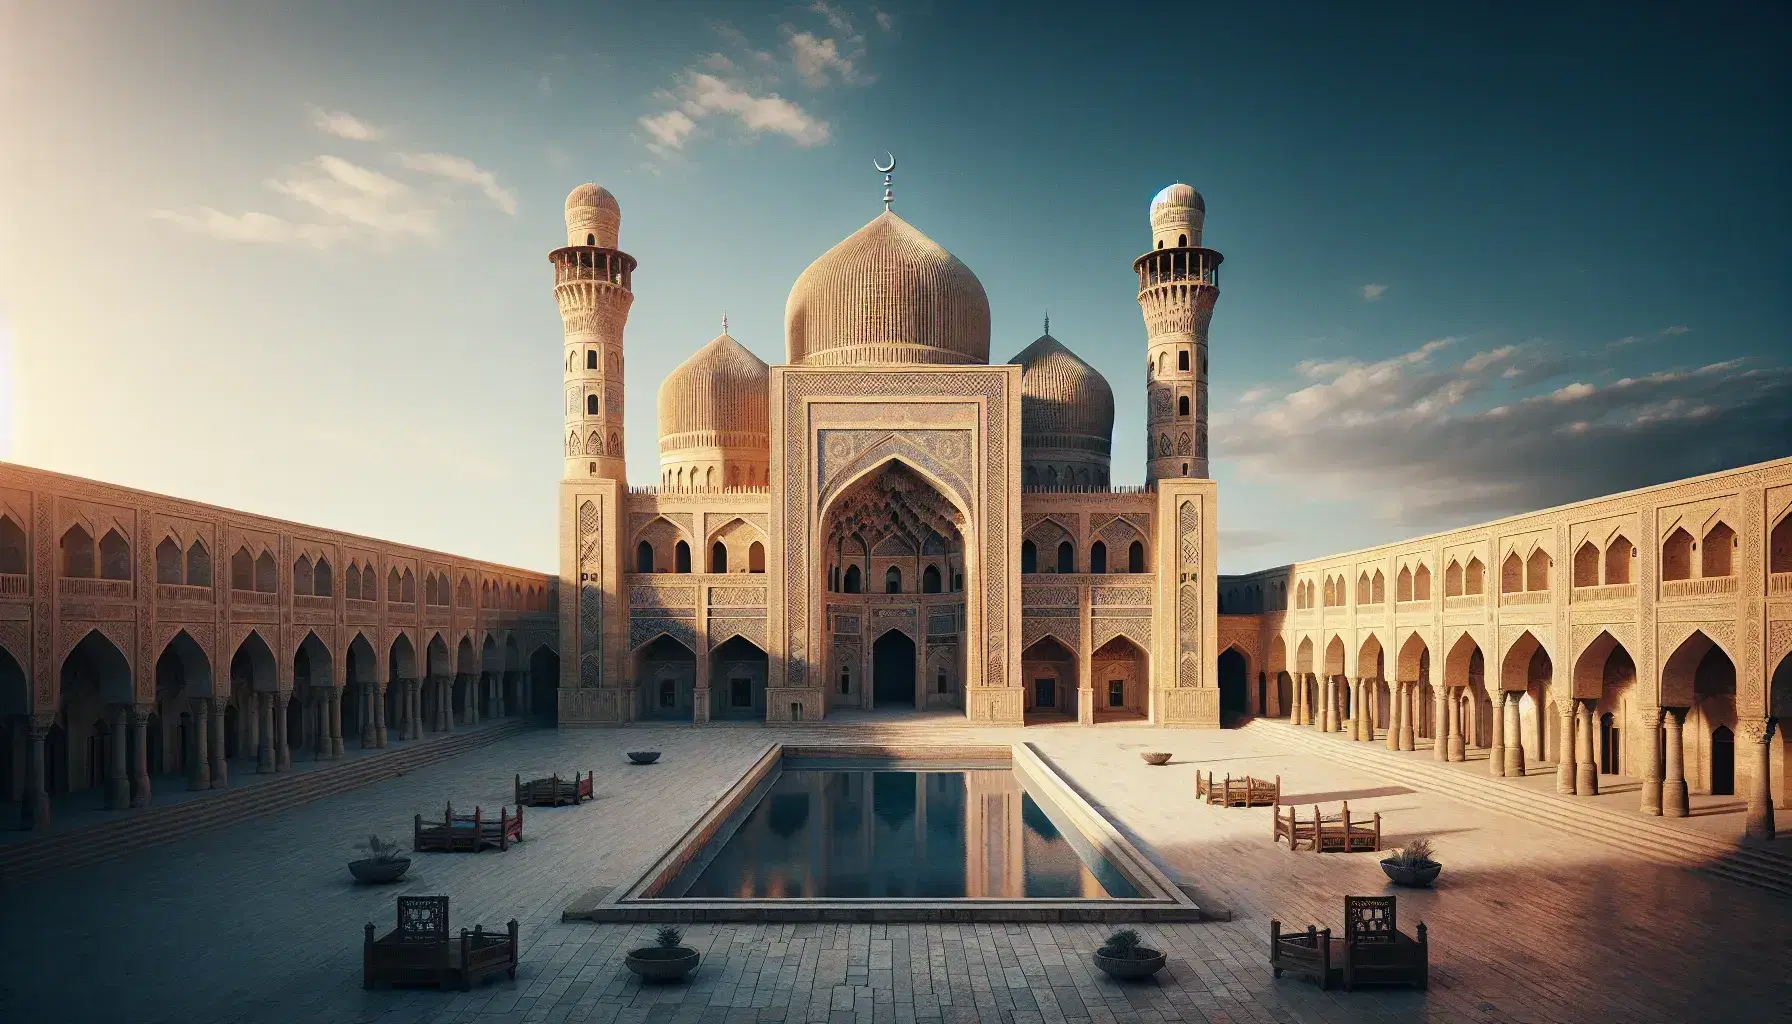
(96, 663)
(267, 574)
(1403, 585)
(168, 562)
(401, 658)
(183, 667)
(1414, 657)
(1378, 588)
(78, 561)
(1303, 656)
(1334, 656)
(1694, 660)
(1462, 666)
(1474, 576)
(13, 548)
(1421, 583)
(1369, 662)
(1515, 666)
(251, 666)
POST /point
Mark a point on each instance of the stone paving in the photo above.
(258, 922)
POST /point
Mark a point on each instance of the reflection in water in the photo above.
(901, 834)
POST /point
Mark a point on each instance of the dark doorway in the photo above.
(544, 684)
(893, 670)
(1234, 693)
(1723, 762)
(1608, 746)
(1045, 693)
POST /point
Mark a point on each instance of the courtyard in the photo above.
(260, 922)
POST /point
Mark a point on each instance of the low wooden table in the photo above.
(1373, 950)
(1246, 792)
(419, 951)
(467, 833)
(1328, 833)
(554, 790)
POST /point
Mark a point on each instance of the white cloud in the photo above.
(336, 201)
(1254, 395)
(253, 227)
(703, 95)
(1458, 443)
(814, 58)
(459, 168)
(1372, 292)
(343, 125)
(739, 88)
(1674, 330)
(883, 20)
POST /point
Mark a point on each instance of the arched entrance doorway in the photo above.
(893, 670)
(665, 680)
(1723, 762)
(544, 679)
(1234, 687)
(737, 671)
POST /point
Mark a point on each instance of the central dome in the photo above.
(888, 294)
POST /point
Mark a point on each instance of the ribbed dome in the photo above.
(1178, 195)
(887, 294)
(1065, 402)
(716, 398)
(593, 217)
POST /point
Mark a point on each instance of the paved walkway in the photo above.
(258, 922)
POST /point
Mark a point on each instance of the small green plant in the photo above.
(1416, 853)
(668, 937)
(1122, 945)
(383, 852)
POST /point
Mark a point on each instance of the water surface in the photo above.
(890, 834)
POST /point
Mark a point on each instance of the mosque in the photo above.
(888, 524)
(888, 519)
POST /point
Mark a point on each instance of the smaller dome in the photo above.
(591, 195)
(717, 398)
(593, 217)
(1065, 403)
(1178, 196)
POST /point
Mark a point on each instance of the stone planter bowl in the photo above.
(643, 756)
(379, 872)
(1156, 757)
(660, 963)
(1148, 962)
(1418, 876)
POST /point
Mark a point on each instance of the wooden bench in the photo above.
(1246, 792)
(554, 790)
(467, 833)
(1373, 950)
(1327, 833)
(419, 951)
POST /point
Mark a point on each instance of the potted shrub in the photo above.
(665, 960)
(383, 864)
(1123, 957)
(1412, 864)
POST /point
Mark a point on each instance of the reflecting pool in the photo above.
(879, 833)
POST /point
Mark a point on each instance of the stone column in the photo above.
(700, 686)
(1297, 696)
(1409, 712)
(382, 731)
(1673, 783)
(220, 770)
(1514, 741)
(264, 743)
(1457, 750)
(282, 750)
(139, 757)
(473, 683)
(525, 693)
(1371, 708)
(1328, 704)
(1760, 788)
(320, 714)
(445, 684)
(1586, 773)
(34, 803)
(1496, 753)
(199, 771)
(1440, 723)
(1651, 739)
(1359, 721)
(1394, 716)
(118, 789)
(370, 730)
(1565, 748)
(498, 703)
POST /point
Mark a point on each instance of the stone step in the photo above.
(91, 844)
(1644, 837)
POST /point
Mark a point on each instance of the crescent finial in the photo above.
(887, 164)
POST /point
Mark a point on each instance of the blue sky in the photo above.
(292, 258)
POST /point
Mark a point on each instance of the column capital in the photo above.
(1756, 730)
(40, 722)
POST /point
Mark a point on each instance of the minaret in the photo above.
(593, 282)
(1178, 284)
